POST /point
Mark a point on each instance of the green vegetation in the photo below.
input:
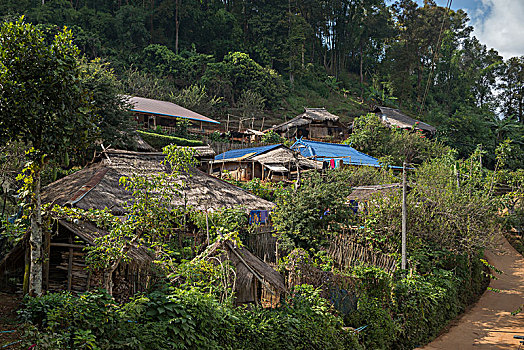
(183, 319)
(206, 55)
(262, 59)
(159, 141)
(392, 146)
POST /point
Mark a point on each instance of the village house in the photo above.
(362, 196)
(97, 187)
(395, 118)
(272, 162)
(150, 114)
(314, 123)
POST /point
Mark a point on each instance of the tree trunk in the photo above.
(35, 274)
(177, 24)
(108, 273)
(361, 73)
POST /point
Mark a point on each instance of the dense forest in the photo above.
(227, 56)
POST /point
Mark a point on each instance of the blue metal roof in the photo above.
(326, 151)
(238, 153)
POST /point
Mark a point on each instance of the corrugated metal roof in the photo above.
(167, 109)
(326, 151)
(242, 153)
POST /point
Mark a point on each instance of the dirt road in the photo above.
(489, 324)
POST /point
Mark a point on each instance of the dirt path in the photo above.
(8, 306)
(489, 324)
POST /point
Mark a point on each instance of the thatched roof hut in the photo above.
(97, 186)
(364, 193)
(314, 123)
(254, 277)
(394, 117)
(65, 266)
(265, 162)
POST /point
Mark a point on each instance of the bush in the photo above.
(160, 141)
(182, 319)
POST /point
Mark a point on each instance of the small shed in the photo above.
(314, 123)
(255, 279)
(272, 162)
(395, 118)
(150, 113)
(65, 267)
(361, 196)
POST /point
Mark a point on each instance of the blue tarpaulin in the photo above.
(324, 151)
(239, 153)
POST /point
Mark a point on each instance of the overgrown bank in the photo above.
(183, 319)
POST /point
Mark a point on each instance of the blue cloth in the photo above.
(257, 217)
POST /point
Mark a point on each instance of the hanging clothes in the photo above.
(332, 163)
(257, 217)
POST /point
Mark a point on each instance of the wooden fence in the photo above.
(264, 244)
(346, 253)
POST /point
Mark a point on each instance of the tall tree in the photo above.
(513, 89)
(42, 104)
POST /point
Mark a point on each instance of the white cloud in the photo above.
(500, 24)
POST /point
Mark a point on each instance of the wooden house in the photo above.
(272, 162)
(363, 196)
(150, 114)
(395, 118)
(256, 281)
(65, 266)
(314, 123)
(97, 187)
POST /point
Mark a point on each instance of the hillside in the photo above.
(275, 57)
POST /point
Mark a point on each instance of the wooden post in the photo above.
(27, 269)
(404, 216)
(47, 257)
(70, 265)
(88, 281)
(253, 171)
(262, 126)
(227, 124)
(207, 227)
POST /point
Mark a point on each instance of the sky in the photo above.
(498, 23)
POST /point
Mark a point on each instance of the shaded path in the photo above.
(8, 306)
(489, 323)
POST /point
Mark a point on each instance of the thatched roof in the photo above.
(364, 193)
(267, 156)
(141, 145)
(284, 155)
(395, 117)
(97, 186)
(310, 115)
(246, 263)
(204, 151)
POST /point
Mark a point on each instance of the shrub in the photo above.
(183, 319)
(160, 141)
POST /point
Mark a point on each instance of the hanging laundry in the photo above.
(257, 217)
(332, 163)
